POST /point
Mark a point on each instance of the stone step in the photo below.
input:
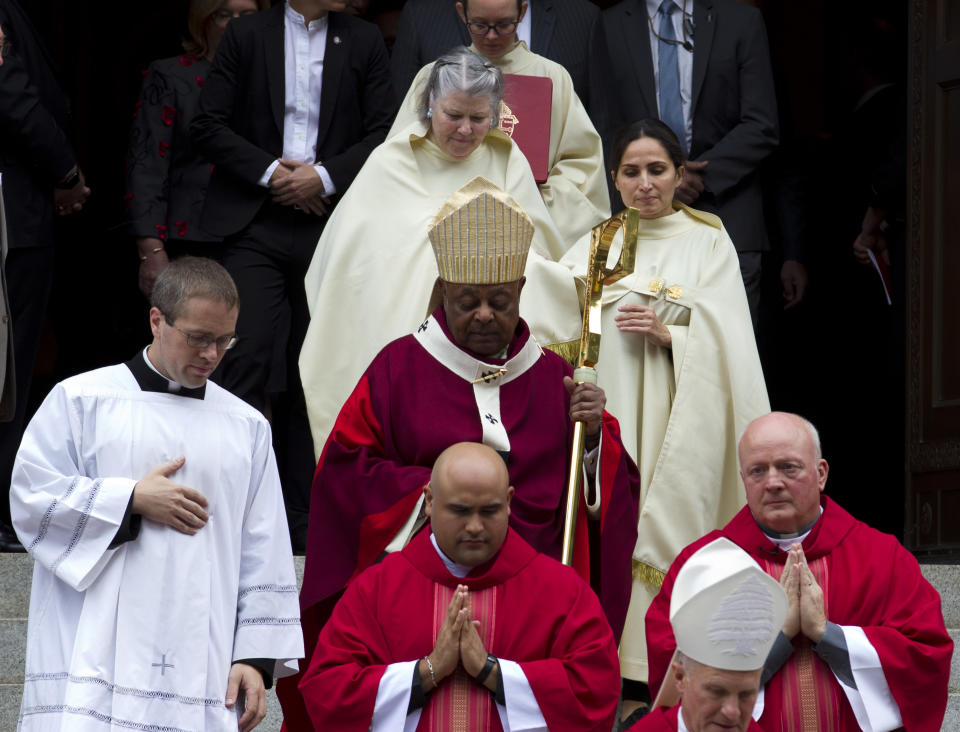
(16, 571)
(9, 706)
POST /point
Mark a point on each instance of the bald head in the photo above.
(468, 502)
(782, 470)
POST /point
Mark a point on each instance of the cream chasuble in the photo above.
(575, 191)
(374, 269)
(681, 411)
(142, 636)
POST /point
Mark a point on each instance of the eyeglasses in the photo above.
(222, 17)
(201, 342)
(502, 28)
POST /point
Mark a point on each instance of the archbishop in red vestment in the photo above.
(540, 615)
(872, 589)
(471, 372)
(408, 407)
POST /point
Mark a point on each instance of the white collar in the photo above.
(485, 378)
(786, 543)
(172, 386)
(457, 570)
(298, 19)
(469, 368)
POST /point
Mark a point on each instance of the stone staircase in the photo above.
(15, 572)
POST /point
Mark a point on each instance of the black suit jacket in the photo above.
(34, 113)
(734, 107)
(569, 32)
(240, 123)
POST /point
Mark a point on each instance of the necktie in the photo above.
(671, 107)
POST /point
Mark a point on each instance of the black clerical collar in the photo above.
(150, 380)
(779, 536)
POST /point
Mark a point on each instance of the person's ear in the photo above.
(679, 676)
(427, 500)
(156, 318)
(822, 469)
(462, 12)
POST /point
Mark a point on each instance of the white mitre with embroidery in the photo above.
(725, 610)
(481, 236)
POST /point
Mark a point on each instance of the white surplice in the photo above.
(142, 636)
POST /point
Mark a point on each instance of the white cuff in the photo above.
(265, 178)
(328, 188)
(522, 713)
(393, 700)
(591, 470)
(873, 705)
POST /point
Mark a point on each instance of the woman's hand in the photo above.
(642, 319)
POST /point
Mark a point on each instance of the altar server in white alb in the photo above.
(164, 595)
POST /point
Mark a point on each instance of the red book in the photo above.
(525, 117)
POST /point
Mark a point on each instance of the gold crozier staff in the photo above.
(601, 239)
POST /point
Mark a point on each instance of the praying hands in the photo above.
(458, 642)
(805, 613)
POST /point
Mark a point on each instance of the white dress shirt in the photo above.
(304, 46)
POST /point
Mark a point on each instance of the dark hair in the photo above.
(647, 127)
(188, 277)
(519, 6)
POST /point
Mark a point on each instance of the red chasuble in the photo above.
(407, 408)
(868, 580)
(662, 719)
(533, 611)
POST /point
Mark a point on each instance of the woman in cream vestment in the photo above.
(575, 191)
(373, 271)
(679, 365)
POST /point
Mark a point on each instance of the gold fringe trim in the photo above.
(569, 351)
(648, 575)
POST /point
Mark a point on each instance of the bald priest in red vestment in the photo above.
(864, 644)
(467, 628)
(725, 613)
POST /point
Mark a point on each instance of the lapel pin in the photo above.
(336, 40)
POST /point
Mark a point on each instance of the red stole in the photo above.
(460, 702)
(811, 700)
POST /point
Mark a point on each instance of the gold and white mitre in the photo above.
(725, 610)
(481, 236)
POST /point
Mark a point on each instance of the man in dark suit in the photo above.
(297, 98)
(40, 175)
(727, 116)
(566, 31)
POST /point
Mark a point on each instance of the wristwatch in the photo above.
(487, 668)
(70, 181)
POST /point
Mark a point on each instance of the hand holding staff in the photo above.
(601, 239)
